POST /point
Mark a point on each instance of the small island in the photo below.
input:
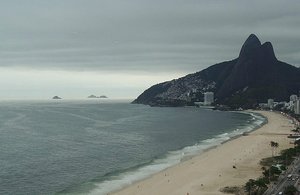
(56, 97)
(93, 96)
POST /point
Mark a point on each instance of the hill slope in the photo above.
(253, 77)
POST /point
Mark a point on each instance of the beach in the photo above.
(230, 164)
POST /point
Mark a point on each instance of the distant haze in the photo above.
(118, 48)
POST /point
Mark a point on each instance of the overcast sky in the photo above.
(74, 48)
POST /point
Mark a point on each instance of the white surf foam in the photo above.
(172, 158)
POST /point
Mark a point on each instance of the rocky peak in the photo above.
(267, 52)
(253, 50)
(250, 46)
(254, 60)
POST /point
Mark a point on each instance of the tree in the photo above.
(250, 185)
(274, 145)
(290, 190)
(272, 173)
(261, 184)
(258, 186)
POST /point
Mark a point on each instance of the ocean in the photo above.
(97, 146)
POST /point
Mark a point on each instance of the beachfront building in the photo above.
(293, 98)
(188, 97)
(208, 98)
(297, 106)
(270, 103)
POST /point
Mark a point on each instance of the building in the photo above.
(297, 106)
(293, 98)
(208, 98)
(270, 103)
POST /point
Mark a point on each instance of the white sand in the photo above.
(212, 170)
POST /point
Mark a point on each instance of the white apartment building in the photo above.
(208, 98)
(270, 103)
(297, 106)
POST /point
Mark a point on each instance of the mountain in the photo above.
(252, 78)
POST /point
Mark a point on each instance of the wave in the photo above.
(120, 179)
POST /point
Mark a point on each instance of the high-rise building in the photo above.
(293, 97)
(270, 103)
(297, 106)
(208, 98)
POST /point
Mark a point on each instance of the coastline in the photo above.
(212, 170)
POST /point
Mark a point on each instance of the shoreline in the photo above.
(182, 178)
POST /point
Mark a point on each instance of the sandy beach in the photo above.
(212, 170)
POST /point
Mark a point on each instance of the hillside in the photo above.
(255, 76)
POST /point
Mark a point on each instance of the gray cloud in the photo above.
(140, 35)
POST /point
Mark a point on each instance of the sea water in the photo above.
(97, 146)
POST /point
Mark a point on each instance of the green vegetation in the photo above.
(283, 168)
(231, 190)
(290, 190)
(287, 156)
(258, 186)
(271, 172)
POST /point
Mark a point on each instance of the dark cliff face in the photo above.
(250, 47)
(254, 62)
(253, 77)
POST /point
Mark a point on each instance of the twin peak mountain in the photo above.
(252, 78)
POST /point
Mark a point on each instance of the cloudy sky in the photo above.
(74, 48)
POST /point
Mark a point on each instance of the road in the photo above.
(284, 181)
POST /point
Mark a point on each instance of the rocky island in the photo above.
(56, 97)
(93, 96)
